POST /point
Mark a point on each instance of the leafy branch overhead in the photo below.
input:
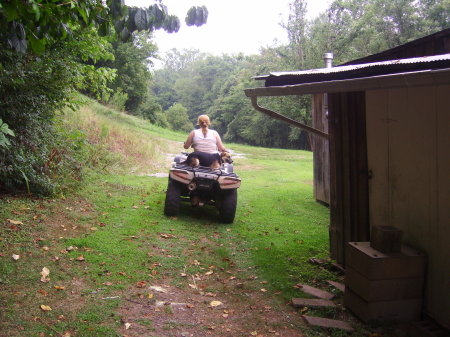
(34, 24)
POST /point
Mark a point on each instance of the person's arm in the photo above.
(219, 143)
(189, 140)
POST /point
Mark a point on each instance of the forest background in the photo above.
(51, 51)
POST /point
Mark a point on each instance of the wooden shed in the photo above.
(389, 150)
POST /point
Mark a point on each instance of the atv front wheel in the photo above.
(227, 208)
(173, 198)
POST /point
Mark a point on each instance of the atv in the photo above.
(202, 186)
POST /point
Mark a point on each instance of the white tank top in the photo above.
(205, 143)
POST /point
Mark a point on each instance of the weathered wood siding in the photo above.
(408, 145)
(321, 154)
(349, 219)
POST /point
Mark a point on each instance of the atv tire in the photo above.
(227, 208)
(173, 198)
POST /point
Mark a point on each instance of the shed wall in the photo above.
(321, 153)
(408, 150)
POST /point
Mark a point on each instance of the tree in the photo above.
(177, 118)
(132, 61)
(38, 24)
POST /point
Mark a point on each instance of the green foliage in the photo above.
(196, 16)
(178, 119)
(119, 99)
(152, 110)
(33, 90)
(132, 65)
(40, 23)
(5, 131)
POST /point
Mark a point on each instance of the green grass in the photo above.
(124, 238)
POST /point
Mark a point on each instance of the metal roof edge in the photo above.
(346, 68)
(408, 79)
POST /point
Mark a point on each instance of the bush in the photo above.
(118, 100)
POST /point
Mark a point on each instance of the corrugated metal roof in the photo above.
(356, 71)
(384, 64)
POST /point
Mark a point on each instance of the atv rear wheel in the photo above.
(227, 208)
(173, 198)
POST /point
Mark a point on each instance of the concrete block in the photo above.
(311, 302)
(327, 323)
(396, 310)
(337, 285)
(315, 291)
(383, 290)
(386, 239)
(375, 265)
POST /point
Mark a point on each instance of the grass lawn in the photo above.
(114, 257)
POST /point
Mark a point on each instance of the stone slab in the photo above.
(394, 311)
(383, 290)
(315, 291)
(311, 302)
(375, 265)
(337, 285)
(327, 323)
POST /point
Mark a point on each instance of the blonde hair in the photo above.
(203, 118)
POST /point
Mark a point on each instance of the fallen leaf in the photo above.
(209, 273)
(254, 333)
(215, 303)
(158, 289)
(80, 258)
(45, 307)
(44, 273)
(14, 222)
(167, 236)
(127, 326)
(193, 286)
(108, 283)
(141, 284)
(189, 305)
(149, 295)
(183, 274)
(45, 248)
(263, 290)
(15, 257)
(66, 334)
(42, 292)
(59, 287)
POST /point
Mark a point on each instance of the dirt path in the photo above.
(235, 310)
